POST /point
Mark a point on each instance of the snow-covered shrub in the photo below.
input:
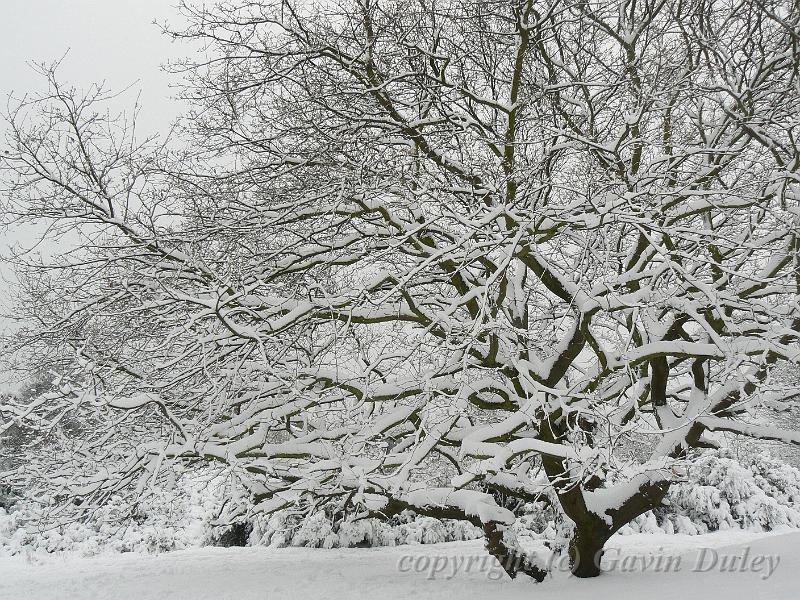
(320, 530)
(759, 493)
(188, 515)
(756, 492)
(412, 529)
(13, 538)
(161, 520)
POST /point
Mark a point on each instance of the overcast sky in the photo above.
(105, 40)
(111, 40)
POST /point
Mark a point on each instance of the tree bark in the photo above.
(592, 531)
(586, 548)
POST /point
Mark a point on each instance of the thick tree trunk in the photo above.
(592, 530)
(586, 549)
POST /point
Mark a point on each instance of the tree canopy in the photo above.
(416, 254)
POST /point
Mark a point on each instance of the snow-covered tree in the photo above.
(411, 251)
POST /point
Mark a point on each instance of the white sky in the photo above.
(107, 40)
(111, 40)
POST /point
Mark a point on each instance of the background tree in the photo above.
(414, 250)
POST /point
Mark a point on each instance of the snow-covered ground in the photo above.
(388, 573)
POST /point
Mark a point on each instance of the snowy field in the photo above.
(388, 573)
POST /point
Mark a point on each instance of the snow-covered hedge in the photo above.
(321, 531)
(163, 520)
(757, 493)
(188, 515)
